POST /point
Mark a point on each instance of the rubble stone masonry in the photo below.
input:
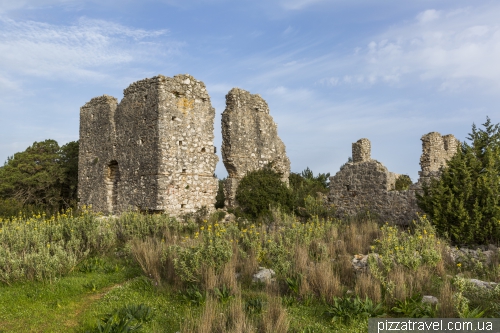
(249, 140)
(367, 185)
(153, 151)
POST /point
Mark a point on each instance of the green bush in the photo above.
(305, 188)
(259, 190)
(403, 183)
(464, 203)
(220, 198)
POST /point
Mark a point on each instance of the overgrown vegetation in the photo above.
(464, 203)
(43, 178)
(83, 272)
(204, 270)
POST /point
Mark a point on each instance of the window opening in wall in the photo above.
(202, 150)
(180, 143)
(112, 179)
(184, 170)
(183, 205)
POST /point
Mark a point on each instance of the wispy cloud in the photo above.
(76, 51)
(443, 46)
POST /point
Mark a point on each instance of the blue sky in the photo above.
(332, 71)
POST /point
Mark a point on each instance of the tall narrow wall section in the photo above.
(152, 152)
(436, 151)
(249, 140)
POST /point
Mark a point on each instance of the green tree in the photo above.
(259, 190)
(220, 197)
(305, 184)
(69, 162)
(44, 175)
(464, 202)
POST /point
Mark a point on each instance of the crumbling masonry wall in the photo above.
(249, 140)
(436, 151)
(153, 151)
(367, 185)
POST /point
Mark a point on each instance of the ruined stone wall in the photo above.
(97, 144)
(361, 150)
(367, 185)
(249, 140)
(154, 150)
(436, 151)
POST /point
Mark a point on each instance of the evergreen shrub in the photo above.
(259, 190)
(464, 203)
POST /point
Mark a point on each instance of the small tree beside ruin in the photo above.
(464, 203)
(259, 190)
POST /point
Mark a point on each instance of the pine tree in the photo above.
(464, 202)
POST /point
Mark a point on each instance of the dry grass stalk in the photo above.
(301, 259)
(209, 279)
(446, 308)
(237, 320)
(148, 254)
(324, 281)
(366, 285)
(228, 275)
(275, 319)
(247, 267)
(343, 269)
(402, 283)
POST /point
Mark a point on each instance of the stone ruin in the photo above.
(153, 151)
(249, 140)
(436, 151)
(366, 185)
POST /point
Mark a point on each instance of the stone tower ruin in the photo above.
(153, 151)
(249, 140)
(366, 185)
(436, 151)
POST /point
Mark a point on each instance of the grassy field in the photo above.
(153, 273)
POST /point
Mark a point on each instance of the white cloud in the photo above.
(459, 48)
(428, 16)
(75, 51)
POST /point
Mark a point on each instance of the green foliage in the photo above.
(305, 188)
(464, 203)
(220, 198)
(193, 295)
(254, 306)
(40, 248)
(403, 183)
(406, 248)
(127, 319)
(413, 307)
(223, 294)
(259, 190)
(347, 309)
(190, 261)
(44, 175)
